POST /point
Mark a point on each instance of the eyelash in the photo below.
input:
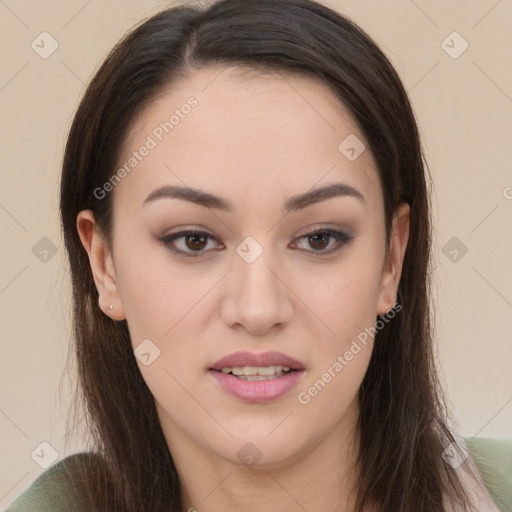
(342, 239)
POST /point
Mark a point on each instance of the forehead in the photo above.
(234, 127)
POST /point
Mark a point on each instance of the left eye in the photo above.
(194, 242)
(319, 239)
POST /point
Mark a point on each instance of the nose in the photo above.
(257, 297)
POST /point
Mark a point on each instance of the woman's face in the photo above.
(255, 279)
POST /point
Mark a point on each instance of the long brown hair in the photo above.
(403, 422)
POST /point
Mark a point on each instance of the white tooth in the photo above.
(277, 370)
(260, 371)
(250, 370)
(266, 370)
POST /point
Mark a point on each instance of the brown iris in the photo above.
(198, 241)
(324, 239)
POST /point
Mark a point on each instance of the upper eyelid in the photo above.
(311, 231)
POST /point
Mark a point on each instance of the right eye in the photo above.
(193, 240)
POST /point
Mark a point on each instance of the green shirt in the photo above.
(58, 488)
(494, 460)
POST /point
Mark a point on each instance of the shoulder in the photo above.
(493, 457)
(484, 476)
(60, 487)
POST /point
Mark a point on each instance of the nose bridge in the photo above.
(258, 299)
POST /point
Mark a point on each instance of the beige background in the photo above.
(464, 108)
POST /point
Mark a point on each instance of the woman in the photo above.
(246, 213)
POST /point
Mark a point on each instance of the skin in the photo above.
(255, 141)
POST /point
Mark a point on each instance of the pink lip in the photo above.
(249, 359)
(259, 391)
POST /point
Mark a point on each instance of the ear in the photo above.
(392, 270)
(102, 266)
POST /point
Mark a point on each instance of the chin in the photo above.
(261, 451)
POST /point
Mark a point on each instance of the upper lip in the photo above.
(241, 359)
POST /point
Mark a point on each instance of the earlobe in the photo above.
(393, 267)
(102, 267)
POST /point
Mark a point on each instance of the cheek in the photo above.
(347, 305)
(153, 293)
(162, 305)
(346, 302)
(343, 297)
(331, 393)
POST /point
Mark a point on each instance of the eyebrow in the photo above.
(294, 203)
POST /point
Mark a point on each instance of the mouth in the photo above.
(261, 365)
(257, 378)
(256, 373)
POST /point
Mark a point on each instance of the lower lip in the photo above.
(258, 391)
